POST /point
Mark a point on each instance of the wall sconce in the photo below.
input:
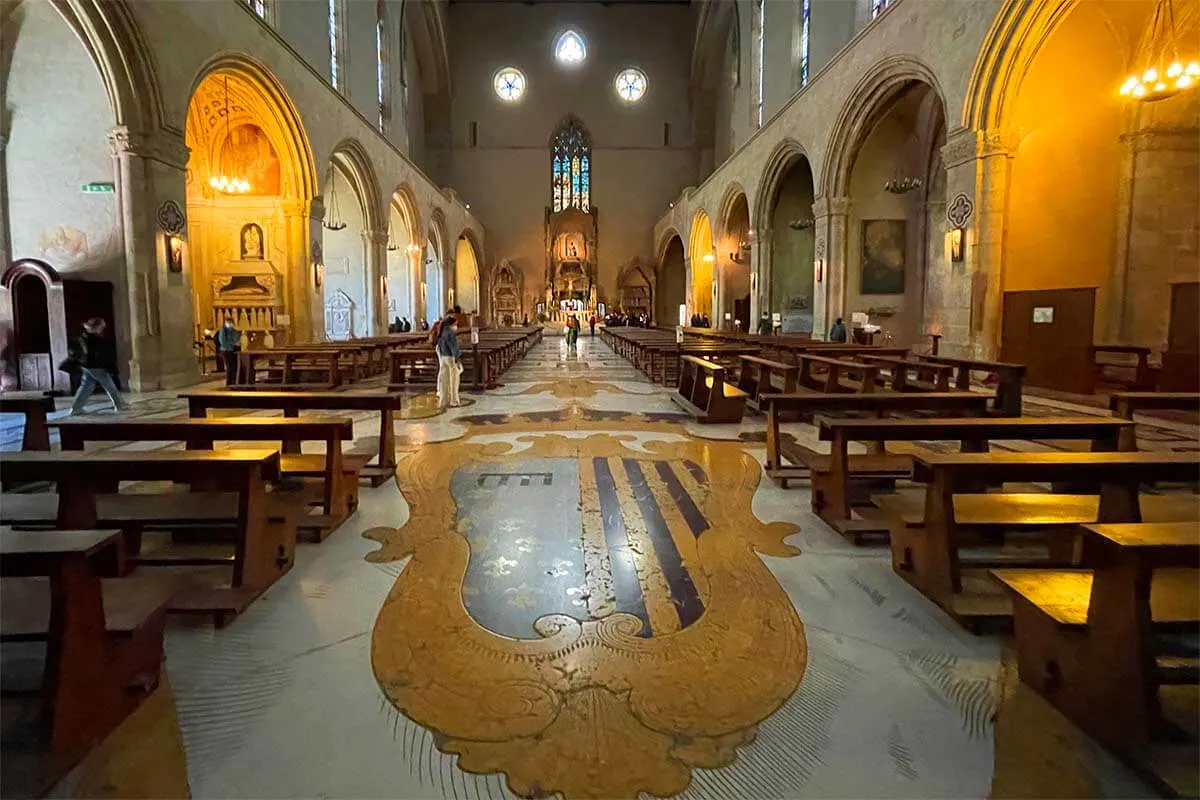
(801, 224)
(954, 242)
(413, 249)
(709, 258)
(819, 269)
(424, 290)
(318, 274)
(383, 285)
(174, 250)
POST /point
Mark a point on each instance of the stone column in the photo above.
(688, 285)
(375, 261)
(152, 306)
(831, 248)
(761, 276)
(302, 229)
(6, 254)
(978, 167)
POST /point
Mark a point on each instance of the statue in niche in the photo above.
(252, 242)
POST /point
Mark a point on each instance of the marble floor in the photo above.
(571, 589)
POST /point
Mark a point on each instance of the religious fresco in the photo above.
(883, 243)
(248, 153)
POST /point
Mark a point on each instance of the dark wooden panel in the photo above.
(1181, 360)
(1056, 352)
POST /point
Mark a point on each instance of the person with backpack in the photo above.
(449, 362)
(90, 355)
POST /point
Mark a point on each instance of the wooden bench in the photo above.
(781, 406)
(336, 472)
(761, 376)
(386, 404)
(1088, 640)
(1126, 404)
(705, 395)
(832, 475)
(1010, 379)
(906, 375)
(925, 544)
(103, 638)
(292, 368)
(259, 553)
(1124, 366)
(35, 407)
(832, 375)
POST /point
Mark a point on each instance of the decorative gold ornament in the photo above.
(592, 709)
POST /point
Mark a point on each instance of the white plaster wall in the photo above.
(345, 259)
(506, 179)
(51, 154)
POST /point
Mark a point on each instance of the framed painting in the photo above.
(883, 248)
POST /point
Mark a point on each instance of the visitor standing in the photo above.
(229, 344)
(89, 354)
(449, 366)
(838, 332)
(592, 324)
(764, 325)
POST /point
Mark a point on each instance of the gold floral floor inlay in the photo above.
(586, 614)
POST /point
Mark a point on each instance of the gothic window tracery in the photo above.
(570, 167)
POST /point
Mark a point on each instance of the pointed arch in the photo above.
(350, 157)
(733, 192)
(570, 165)
(281, 113)
(786, 153)
(405, 202)
(866, 105)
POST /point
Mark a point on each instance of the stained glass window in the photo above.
(335, 43)
(760, 46)
(381, 62)
(570, 167)
(877, 7)
(509, 84)
(259, 7)
(570, 48)
(805, 9)
(630, 84)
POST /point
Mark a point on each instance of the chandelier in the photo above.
(333, 213)
(902, 185)
(1163, 74)
(224, 183)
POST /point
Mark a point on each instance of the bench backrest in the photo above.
(171, 465)
(879, 402)
(75, 432)
(992, 468)
(1100, 429)
(309, 401)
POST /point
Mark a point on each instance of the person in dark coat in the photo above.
(838, 332)
(92, 356)
(229, 344)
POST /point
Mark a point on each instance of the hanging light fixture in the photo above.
(391, 245)
(1161, 72)
(227, 184)
(333, 213)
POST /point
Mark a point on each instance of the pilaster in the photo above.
(375, 261)
(831, 246)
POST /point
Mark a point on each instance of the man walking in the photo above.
(95, 368)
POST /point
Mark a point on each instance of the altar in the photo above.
(571, 285)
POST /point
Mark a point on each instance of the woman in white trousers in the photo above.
(449, 368)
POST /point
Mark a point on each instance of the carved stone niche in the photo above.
(636, 288)
(251, 293)
(571, 257)
(508, 289)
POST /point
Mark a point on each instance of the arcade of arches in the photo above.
(575, 581)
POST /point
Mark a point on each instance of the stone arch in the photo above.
(664, 242)
(701, 257)
(733, 193)
(403, 254)
(355, 252)
(732, 263)
(282, 114)
(869, 101)
(350, 157)
(467, 277)
(782, 158)
(261, 135)
(672, 280)
(637, 289)
(111, 35)
(434, 266)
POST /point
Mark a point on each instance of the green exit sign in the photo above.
(98, 188)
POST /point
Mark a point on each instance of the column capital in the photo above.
(375, 237)
(965, 144)
(831, 206)
(162, 146)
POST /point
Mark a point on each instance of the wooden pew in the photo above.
(758, 378)
(1126, 404)
(1113, 363)
(291, 368)
(1010, 379)
(103, 637)
(337, 473)
(779, 406)
(705, 395)
(35, 406)
(831, 375)
(1087, 639)
(292, 403)
(832, 477)
(907, 375)
(925, 545)
(260, 550)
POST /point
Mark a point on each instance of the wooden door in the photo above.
(1050, 331)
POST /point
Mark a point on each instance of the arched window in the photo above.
(571, 166)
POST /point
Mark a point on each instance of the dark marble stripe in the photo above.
(683, 591)
(626, 587)
(697, 472)
(683, 500)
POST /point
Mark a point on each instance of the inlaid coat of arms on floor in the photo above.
(586, 613)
